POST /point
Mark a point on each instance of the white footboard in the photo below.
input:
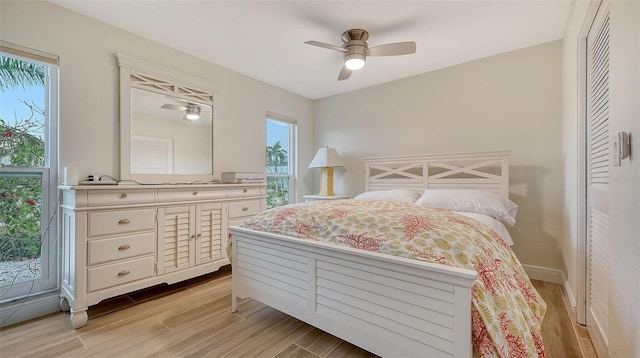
(390, 306)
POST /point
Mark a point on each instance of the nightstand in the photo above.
(308, 198)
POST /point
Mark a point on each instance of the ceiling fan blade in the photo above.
(344, 73)
(324, 45)
(173, 107)
(393, 49)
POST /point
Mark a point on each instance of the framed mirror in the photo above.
(166, 125)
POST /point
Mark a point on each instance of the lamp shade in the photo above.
(326, 157)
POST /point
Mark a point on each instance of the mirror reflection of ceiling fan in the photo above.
(191, 110)
(355, 49)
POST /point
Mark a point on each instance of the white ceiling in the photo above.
(265, 39)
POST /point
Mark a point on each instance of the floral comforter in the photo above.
(507, 311)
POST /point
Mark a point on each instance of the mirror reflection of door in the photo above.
(165, 139)
(151, 155)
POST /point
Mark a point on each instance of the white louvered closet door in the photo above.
(598, 148)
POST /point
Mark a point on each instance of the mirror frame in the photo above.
(138, 74)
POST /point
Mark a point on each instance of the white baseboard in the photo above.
(570, 297)
(545, 274)
(33, 307)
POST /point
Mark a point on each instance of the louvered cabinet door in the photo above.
(211, 229)
(598, 153)
(176, 236)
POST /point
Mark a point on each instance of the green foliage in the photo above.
(20, 212)
(277, 157)
(21, 145)
(277, 192)
(277, 188)
(14, 72)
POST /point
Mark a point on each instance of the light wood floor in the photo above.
(193, 319)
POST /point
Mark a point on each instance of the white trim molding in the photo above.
(545, 274)
(33, 307)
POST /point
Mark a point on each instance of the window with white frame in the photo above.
(280, 156)
(28, 174)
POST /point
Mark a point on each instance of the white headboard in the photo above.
(488, 171)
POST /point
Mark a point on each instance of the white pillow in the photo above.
(492, 223)
(475, 201)
(397, 195)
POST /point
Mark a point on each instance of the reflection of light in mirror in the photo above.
(192, 112)
(159, 119)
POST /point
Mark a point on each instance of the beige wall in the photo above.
(509, 101)
(89, 102)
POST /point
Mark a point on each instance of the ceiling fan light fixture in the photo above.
(354, 61)
(192, 112)
(355, 50)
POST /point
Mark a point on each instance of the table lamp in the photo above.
(326, 159)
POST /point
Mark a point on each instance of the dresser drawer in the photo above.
(244, 208)
(172, 195)
(120, 273)
(239, 192)
(118, 248)
(119, 222)
(120, 197)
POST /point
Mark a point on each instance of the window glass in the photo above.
(279, 159)
(28, 106)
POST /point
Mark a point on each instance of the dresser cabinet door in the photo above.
(210, 232)
(176, 234)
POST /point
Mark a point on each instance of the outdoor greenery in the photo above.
(21, 146)
(20, 217)
(277, 188)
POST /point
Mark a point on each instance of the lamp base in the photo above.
(326, 182)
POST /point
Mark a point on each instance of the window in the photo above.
(28, 178)
(281, 153)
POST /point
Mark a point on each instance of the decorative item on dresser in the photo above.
(121, 238)
(309, 198)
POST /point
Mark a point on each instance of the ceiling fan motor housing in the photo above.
(355, 34)
(355, 42)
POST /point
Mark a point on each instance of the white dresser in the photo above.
(121, 238)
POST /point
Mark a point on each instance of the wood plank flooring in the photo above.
(193, 319)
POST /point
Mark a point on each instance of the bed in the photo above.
(389, 304)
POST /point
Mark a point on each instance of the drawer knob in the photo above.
(123, 273)
(244, 190)
(195, 193)
(245, 209)
(124, 247)
(199, 235)
(124, 221)
(123, 195)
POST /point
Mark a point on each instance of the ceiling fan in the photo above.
(355, 49)
(191, 110)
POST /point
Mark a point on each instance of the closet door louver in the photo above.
(598, 149)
